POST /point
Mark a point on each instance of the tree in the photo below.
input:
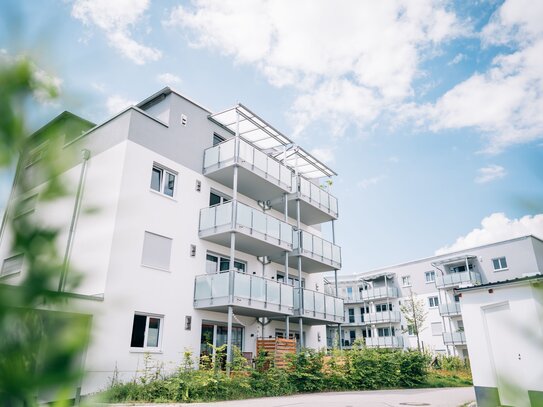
(415, 314)
(39, 343)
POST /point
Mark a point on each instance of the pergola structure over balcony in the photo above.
(252, 128)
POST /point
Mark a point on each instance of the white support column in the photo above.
(232, 247)
(287, 318)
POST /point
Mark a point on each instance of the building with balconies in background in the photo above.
(373, 299)
(191, 230)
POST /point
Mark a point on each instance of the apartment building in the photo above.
(190, 229)
(373, 299)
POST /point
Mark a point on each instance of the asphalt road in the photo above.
(447, 397)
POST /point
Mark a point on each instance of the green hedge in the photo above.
(308, 371)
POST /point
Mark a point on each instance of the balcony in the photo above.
(316, 204)
(259, 176)
(449, 309)
(373, 294)
(454, 338)
(385, 342)
(256, 233)
(317, 254)
(318, 308)
(465, 278)
(252, 295)
(381, 317)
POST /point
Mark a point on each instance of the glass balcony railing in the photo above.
(454, 338)
(456, 279)
(385, 342)
(213, 290)
(373, 294)
(318, 197)
(317, 305)
(381, 317)
(252, 222)
(449, 309)
(317, 248)
(223, 155)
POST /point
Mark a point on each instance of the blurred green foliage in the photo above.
(40, 343)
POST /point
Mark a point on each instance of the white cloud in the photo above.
(457, 59)
(117, 103)
(347, 63)
(168, 79)
(495, 228)
(506, 101)
(324, 154)
(117, 19)
(368, 182)
(490, 173)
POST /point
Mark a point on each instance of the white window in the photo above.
(216, 198)
(430, 276)
(12, 265)
(433, 302)
(437, 328)
(156, 251)
(293, 281)
(218, 264)
(350, 293)
(146, 331)
(411, 330)
(351, 315)
(163, 180)
(499, 264)
(383, 307)
(406, 281)
(385, 331)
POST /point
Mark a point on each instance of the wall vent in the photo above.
(184, 119)
(192, 250)
(198, 185)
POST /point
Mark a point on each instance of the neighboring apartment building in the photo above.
(206, 233)
(373, 299)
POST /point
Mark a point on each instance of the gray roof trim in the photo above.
(514, 281)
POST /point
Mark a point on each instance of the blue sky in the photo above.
(430, 112)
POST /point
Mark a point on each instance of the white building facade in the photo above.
(504, 333)
(373, 299)
(190, 229)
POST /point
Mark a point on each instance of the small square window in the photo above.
(163, 180)
(499, 264)
(146, 331)
(406, 281)
(433, 302)
(12, 265)
(430, 276)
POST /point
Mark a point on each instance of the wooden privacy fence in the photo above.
(278, 348)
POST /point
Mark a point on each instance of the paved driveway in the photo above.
(448, 397)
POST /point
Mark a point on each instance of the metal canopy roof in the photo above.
(265, 137)
(453, 259)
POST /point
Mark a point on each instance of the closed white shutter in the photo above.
(156, 251)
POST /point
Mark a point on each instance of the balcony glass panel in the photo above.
(286, 175)
(211, 156)
(219, 285)
(309, 300)
(258, 288)
(319, 247)
(274, 292)
(317, 195)
(326, 249)
(458, 278)
(242, 285)
(273, 168)
(333, 204)
(339, 307)
(336, 253)
(259, 221)
(203, 287)
(287, 295)
(319, 302)
(260, 160)
(330, 305)
(246, 152)
(274, 227)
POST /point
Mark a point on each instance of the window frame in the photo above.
(221, 257)
(163, 182)
(408, 277)
(145, 347)
(433, 299)
(430, 273)
(12, 257)
(350, 315)
(499, 260)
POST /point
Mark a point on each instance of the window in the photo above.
(156, 251)
(385, 331)
(293, 281)
(163, 180)
(411, 330)
(366, 333)
(352, 336)
(350, 293)
(216, 198)
(383, 307)
(351, 315)
(430, 276)
(460, 269)
(146, 331)
(437, 328)
(218, 264)
(433, 302)
(499, 264)
(406, 281)
(217, 139)
(12, 265)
